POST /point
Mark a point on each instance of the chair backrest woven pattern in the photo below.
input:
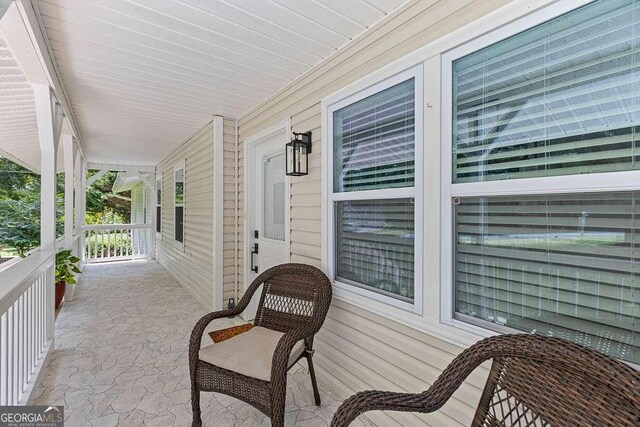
(292, 297)
(555, 382)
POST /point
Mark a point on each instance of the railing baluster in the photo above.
(40, 314)
(21, 355)
(104, 242)
(16, 352)
(4, 348)
(10, 356)
(29, 364)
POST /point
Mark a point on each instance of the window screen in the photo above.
(374, 141)
(375, 245)
(561, 265)
(374, 149)
(561, 98)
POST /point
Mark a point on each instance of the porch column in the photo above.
(69, 177)
(79, 191)
(49, 119)
(82, 217)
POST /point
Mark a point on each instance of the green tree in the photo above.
(101, 202)
(20, 219)
(20, 207)
(15, 178)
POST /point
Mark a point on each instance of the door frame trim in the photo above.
(249, 146)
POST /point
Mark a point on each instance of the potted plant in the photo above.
(66, 269)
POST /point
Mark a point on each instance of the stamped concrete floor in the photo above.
(120, 357)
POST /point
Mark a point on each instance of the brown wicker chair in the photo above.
(533, 381)
(293, 305)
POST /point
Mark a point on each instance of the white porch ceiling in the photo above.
(18, 127)
(144, 75)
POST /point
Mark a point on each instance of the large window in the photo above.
(544, 135)
(371, 199)
(178, 181)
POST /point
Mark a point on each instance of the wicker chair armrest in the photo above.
(373, 400)
(195, 341)
(280, 361)
(196, 334)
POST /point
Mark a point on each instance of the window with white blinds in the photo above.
(561, 265)
(373, 149)
(561, 98)
(375, 245)
(374, 141)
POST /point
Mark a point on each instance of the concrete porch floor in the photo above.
(120, 357)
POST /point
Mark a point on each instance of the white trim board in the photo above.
(218, 213)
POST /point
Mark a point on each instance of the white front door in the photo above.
(267, 208)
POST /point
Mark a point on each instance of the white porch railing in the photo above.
(26, 325)
(115, 242)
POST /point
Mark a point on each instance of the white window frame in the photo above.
(436, 225)
(176, 168)
(566, 184)
(361, 296)
(160, 188)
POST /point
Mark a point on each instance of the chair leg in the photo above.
(314, 383)
(195, 407)
(277, 411)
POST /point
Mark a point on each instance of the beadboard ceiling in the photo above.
(144, 75)
(18, 129)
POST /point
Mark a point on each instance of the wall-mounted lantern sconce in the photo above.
(297, 154)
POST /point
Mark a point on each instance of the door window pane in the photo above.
(375, 245)
(561, 98)
(374, 141)
(561, 265)
(273, 197)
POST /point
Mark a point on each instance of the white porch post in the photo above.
(49, 118)
(77, 185)
(69, 176)
(82, 217)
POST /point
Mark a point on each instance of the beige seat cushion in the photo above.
(249, 353)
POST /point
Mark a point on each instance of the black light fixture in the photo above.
(297, 154)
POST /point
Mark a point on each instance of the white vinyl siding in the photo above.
(357, 349)
(190, 264)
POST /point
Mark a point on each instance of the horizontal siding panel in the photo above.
(192, 266)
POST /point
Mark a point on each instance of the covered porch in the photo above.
(458, 171)
(120, 357)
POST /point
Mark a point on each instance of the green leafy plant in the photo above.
(66, 267)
